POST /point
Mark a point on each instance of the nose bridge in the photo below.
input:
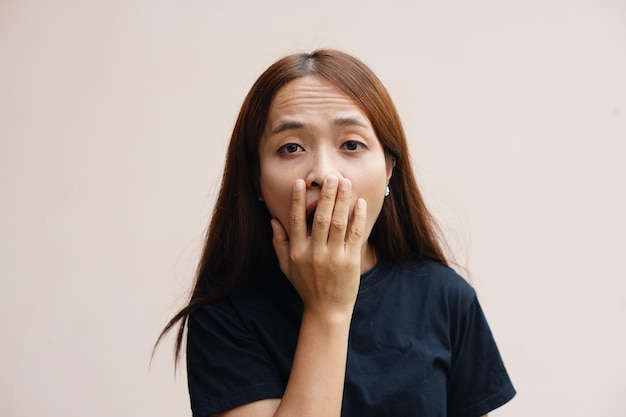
(323, 163)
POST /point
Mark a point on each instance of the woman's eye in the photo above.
(353, 145)
(290, 148)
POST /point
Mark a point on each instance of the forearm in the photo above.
(317, 377)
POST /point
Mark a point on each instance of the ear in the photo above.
(391, 163)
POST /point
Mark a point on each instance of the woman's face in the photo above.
(314, 130)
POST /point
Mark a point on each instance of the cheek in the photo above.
(374, 205)
(375, 197)
(276, 194)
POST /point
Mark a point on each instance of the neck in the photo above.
(368, 257)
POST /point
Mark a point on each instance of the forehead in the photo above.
(311, 94)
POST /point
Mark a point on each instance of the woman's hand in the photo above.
(325, 267)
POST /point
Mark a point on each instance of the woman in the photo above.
(322, 289)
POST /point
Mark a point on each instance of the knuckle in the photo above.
(295, 256)
(356, 232)
(295, 218)
(321, 219)
(338, 224)
(318, 259)
(338, 260)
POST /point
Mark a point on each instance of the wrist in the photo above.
(336, 316)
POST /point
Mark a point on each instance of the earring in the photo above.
(387, 191)
(259, 197)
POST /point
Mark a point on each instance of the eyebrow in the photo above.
(339, 121)
(349, 121)
(291, 125)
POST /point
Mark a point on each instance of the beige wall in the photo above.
(114, 117)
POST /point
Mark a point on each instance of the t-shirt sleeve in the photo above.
(226, 365)
(478, 382)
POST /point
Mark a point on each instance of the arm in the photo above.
(325, 270)
(315, 386)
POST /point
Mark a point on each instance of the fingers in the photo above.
(340, 215)
(332, 224)
(355, 236)
(325, 267)
(297, 213)
(324, 211)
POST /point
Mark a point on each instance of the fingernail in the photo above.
(331, 181)
(344, 184)
(299, 185)
(360, 203)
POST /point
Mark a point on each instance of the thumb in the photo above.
(280, 241)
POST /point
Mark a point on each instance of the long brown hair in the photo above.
(238, 242)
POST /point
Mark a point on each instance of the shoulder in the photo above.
(434, 282)
(256, 302)
(428, 269)
(434, 275)
(257, 291)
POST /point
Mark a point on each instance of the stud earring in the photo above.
(387, 191)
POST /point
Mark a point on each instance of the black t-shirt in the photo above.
(419, 345)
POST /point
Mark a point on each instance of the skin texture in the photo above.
(319, 151)
(314, 131)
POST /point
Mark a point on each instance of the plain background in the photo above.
(114, 119)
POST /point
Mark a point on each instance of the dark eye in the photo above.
(353, 145)
(290, 148)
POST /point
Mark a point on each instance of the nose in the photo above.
(322, 165)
